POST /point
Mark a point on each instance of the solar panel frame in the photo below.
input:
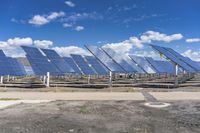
(83, 65)
(105, 59)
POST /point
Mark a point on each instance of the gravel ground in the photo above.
(100, 117)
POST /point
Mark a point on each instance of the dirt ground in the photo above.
(101, 117)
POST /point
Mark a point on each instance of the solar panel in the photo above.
(173, 58)
(120, 60)
(40, 64)
(167, 66)
(83, 65)
(160, 66)
(72, 64)
(105, 59)
(5, 66)
(143, 63)
(187, 60)
(18, 68)
(98, 67)
(59, 62)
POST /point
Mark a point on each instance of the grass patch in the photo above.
(8, 99)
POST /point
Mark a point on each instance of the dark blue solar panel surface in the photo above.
(188, 61)
(59, 62)
(143, 63)
(155, 65)
(173, 58)
(99, 68)
(17, 67)
(120, 60)
(5, 66)
(83, 65)
(105, 59)
(40, 64)
(72, 64)
(167, 66)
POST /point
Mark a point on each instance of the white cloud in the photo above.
(20, 41)
(66, 51)
(192, 40)
(11, 46)
(43, 43)
(44, 19)
(70, 4)
(81, 16)
(67, 25)
(150, 36)
(79, 28)
(194, 55)
(138, 42)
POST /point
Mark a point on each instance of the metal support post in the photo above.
(48, 79)
(176, 76)
(1, 81)
(8, 78)
(89, 79)
(110, 78)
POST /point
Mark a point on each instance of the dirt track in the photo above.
(100, 117)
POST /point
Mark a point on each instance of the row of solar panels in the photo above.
(10, 66)
(102, 61)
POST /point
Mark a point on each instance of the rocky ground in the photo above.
(101, 117)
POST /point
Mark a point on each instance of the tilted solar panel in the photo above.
(120, 60)
(40, 64)
(167, 66)
(161, 66)
(143, 63)
(98, 67)
(173, 58)
(83, 65)
(59, 62)
(17, 67)
(5, 66)
(72, 64)
(187, 60)
(105, 59)
(155, 65)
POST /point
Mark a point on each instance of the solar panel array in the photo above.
(143, 63)
(105, 59)
(96, 65)
(120, 60)
(40, 64)
(173, 58)
(59, 62)
(83, 65)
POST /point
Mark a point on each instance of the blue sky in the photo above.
(61, 23)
